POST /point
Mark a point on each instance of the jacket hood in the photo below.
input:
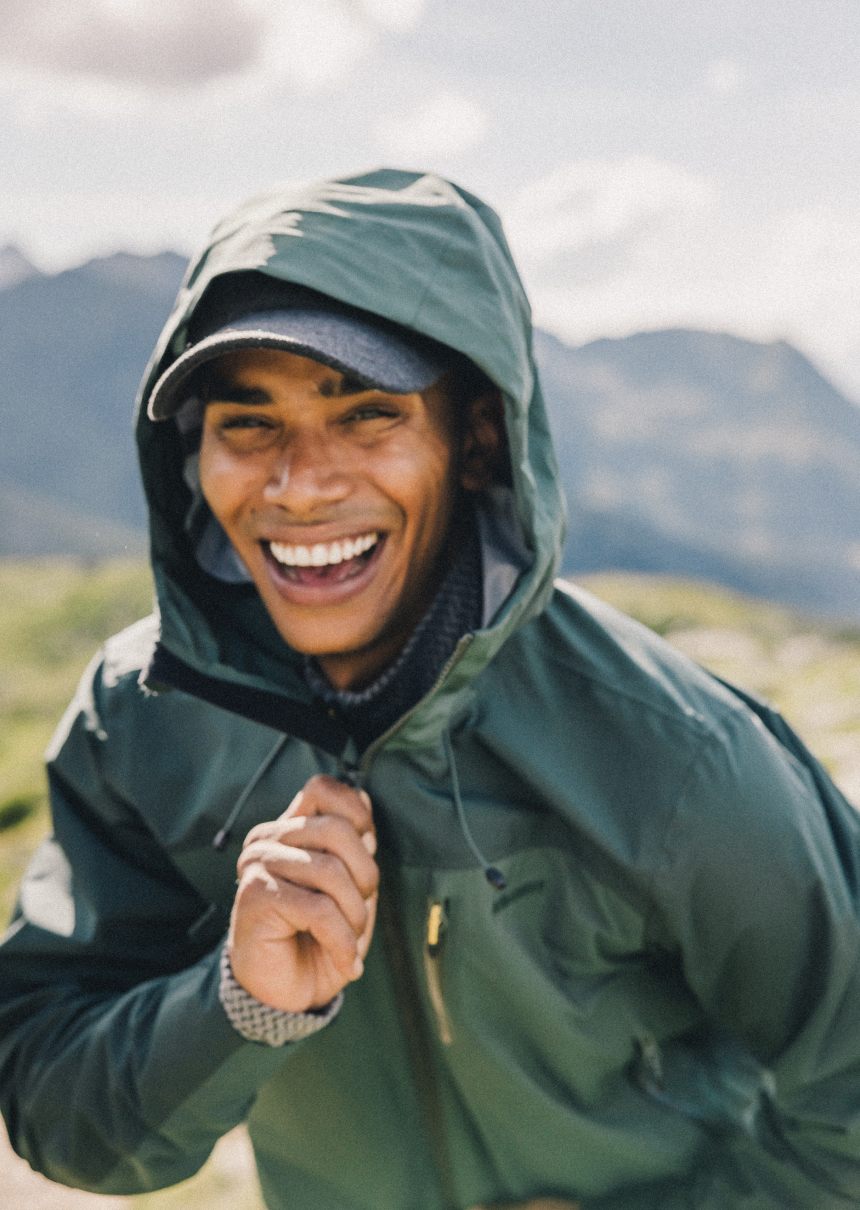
(421, 252)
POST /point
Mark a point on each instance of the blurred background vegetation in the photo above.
(54, 613)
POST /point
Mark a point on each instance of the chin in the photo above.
(321, 640)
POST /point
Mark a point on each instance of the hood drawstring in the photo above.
(221, 838)
(494, 876)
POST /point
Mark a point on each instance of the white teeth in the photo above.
(321, 555)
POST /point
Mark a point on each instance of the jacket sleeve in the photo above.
(760, 899)
(119, 1069)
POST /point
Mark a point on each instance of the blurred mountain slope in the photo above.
(73, 347)
(15, 267)
(701, 454)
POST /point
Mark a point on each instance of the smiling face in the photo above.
(338, 499)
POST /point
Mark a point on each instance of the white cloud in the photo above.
(724, 77)
(609, 249)
(169, 45)
(160, 43)
(393, 14)
(66, 228)
(314, 43)
(443, 124)
(599, 202)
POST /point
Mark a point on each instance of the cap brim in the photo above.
(383, 359)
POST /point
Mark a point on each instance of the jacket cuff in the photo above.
(258, 1022)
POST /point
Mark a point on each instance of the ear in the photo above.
(484, 442)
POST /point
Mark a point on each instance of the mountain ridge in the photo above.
(683, 452)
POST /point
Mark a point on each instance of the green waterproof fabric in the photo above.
(659, 1010)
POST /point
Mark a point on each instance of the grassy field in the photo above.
(54, 614)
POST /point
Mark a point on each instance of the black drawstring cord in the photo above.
(494, 876)
(222, 838)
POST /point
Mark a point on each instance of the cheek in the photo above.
(226, 483)
(420, 482)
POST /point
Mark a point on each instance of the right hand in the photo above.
(306, 903)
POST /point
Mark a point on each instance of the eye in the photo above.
(246, 422)
(369, 412)
(243, 432)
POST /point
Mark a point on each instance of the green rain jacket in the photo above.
(661, 1009)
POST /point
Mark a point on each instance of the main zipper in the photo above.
(460, 650)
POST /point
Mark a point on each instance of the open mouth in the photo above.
(325, 562)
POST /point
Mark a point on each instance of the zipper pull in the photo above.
(435, 921)
(435, 935)
(349, 775)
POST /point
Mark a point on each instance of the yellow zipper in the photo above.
(435, 935)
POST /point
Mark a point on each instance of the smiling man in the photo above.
(531, 911)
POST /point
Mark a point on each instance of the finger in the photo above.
(327, 834)
(323, 795)
(315, 871)
(364, 940)
(307, 918)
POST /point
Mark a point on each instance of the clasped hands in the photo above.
(306, 902)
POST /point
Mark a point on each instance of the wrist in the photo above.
(258, 1022)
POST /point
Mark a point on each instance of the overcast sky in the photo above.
(657, 162)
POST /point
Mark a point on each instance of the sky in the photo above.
(656, 163)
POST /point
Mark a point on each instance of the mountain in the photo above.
(35, 524)
(704, 455)
(73, 347)
(15, 267)
(692, 453)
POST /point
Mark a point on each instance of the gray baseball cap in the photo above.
(381, 354)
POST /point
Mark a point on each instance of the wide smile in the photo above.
(325, 571)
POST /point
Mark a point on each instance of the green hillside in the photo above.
(54, 614)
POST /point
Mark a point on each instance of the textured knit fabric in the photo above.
(258, 1022)
(455, 611)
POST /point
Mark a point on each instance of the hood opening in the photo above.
(412, 250)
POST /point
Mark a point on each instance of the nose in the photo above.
(306, 475)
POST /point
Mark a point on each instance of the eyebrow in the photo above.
(226, 390)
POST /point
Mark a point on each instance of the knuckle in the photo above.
(321, 783)
(329, 865)
(319, 909)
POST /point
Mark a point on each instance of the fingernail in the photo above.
(365, 798)
(357, 968)
(369, 842)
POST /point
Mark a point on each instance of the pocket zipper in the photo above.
(436, 925)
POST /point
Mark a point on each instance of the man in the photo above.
(616, 961)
